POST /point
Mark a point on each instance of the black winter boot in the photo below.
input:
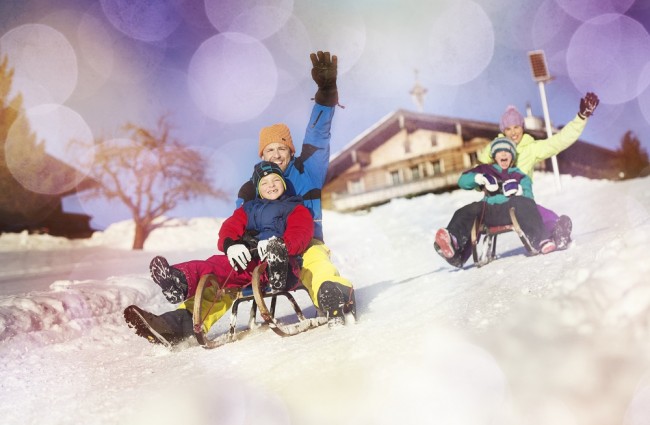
(167, 329)
(562, 232)
(171, 280)
(336, 300)
(277, 260)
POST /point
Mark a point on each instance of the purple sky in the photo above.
(225, 68)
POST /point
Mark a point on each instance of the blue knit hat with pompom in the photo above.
(503, 144)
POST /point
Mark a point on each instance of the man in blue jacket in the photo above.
(304, 175)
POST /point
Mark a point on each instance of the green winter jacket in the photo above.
(531, 151)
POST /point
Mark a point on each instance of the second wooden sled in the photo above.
(490, 233)
(259, 296)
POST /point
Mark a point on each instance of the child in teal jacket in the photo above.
(505, 186)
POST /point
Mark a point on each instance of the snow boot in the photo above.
(171, 280)
(336, 301)
(547, 246)
(562, 232)
(277, 260)
(447, 247)
(445, 244)
(167, 329)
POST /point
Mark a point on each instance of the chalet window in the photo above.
(473, 158)
(434, 140)
(394, 177)
(407, 146)
(355, 186)
(415, 172)
(437, 167)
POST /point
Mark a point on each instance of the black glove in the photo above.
(324, 74)
(588, 105)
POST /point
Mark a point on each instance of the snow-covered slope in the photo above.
(557, 339)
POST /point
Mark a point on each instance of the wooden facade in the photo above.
(409, 153)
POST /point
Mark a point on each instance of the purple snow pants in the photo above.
(548, 217)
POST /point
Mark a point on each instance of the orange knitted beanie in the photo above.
(276, 133)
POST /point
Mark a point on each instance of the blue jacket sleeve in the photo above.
(315, 154)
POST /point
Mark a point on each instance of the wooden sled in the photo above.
(259, 296)
(490, 233)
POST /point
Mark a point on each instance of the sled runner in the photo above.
(259, 296)
(490, 233)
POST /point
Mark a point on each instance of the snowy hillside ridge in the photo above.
(561, 338)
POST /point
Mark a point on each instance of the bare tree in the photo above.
(151, 173)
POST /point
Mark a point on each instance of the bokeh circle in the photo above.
(457, 57)
(584, 10)
(609, 54)
(49, 149)
(44, 63)
(644, 101)
(143, 20)
(233, 77)
(256, 19)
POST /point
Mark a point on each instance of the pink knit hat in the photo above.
(511, 117)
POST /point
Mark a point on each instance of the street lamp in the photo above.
(541, 75)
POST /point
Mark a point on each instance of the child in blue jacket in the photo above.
(505, 186)
(274, 226)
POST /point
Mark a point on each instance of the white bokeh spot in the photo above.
(461, 44)
(143, 20)
(65, 137)
(233, 77)
(609, 55)
(584, 10)
(258, 19)
(44, 63)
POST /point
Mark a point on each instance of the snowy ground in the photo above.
(562, 339)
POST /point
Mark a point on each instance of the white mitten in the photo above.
(512, 188)
(238, 255)
(489, 182)
(262, 247)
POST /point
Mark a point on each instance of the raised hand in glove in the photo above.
(512, 188)
(588, 105)
(487, 181)
(323, 71)
(239, 256)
